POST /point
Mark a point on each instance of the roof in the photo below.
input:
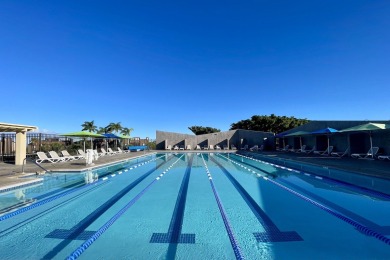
(5, 127)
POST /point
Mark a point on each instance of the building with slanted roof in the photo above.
(238, 138)
(356, 141)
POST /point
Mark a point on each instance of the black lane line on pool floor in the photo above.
(81, 249)
(174, 234)
(42, 201)
(233, 240)
(385, 230)
(27, 221)
(78, 231)
(272, 232)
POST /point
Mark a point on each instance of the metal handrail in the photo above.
(25, 160)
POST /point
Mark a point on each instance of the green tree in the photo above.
(104, 130)
(89, 126)
(115, 127)
(200, 130)
(126, 131)
(272, 123)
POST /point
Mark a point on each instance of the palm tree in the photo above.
(104, 130)
(115, 127)
(89, 126)
(126, 131)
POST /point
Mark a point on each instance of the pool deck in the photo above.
(10, 174)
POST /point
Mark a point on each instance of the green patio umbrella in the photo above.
(83, 134)
(368, 127)
(125, 137)
(299, 133)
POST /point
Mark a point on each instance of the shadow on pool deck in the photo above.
(10, 174)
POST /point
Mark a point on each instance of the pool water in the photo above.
(195, 206)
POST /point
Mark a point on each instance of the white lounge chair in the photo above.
(198, 147)
(285, 148)
(81, 152)
(188, 147)
(123, 151)
(302, 150)
(311, 151)
(104, 152)
(328, 151)
(181, 147)
(42, 157)
(371, 153)
(65, 153)
(233, 147)
(217, 147)
(54, 155)
(176, 147)
(113, 152)
(340, 154)
(169, 147)
(254, 148)
(205, 147)
(225, 147)
(384, 157)
(211, 147)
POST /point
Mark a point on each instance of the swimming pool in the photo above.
(195, 206)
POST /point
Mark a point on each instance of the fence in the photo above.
(39, 142)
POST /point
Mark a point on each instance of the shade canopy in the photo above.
(125, 136)
(111, 135)
(327, 130)
(280, 135)
(82, 134)
(367, 127)
(298, 133)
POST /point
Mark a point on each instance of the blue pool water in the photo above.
(194, 206)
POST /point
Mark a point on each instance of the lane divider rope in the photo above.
(43, 202)
(236, 248)
(81, 249)
(352, 222)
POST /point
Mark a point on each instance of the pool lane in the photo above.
(155, 212)
(325, 207)
(81, 249)
(346, 204)
(71, 221)
(271, 232)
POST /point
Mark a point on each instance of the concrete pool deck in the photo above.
(10, 174)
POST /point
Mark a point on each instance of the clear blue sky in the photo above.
(168, 65)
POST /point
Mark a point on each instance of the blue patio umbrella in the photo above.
(111, 136)
(281, 135)
(325, 131)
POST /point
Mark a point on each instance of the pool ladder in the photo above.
(25, 161)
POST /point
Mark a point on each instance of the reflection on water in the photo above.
(89, 177)
(20, 195)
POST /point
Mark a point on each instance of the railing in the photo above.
(39, 142)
